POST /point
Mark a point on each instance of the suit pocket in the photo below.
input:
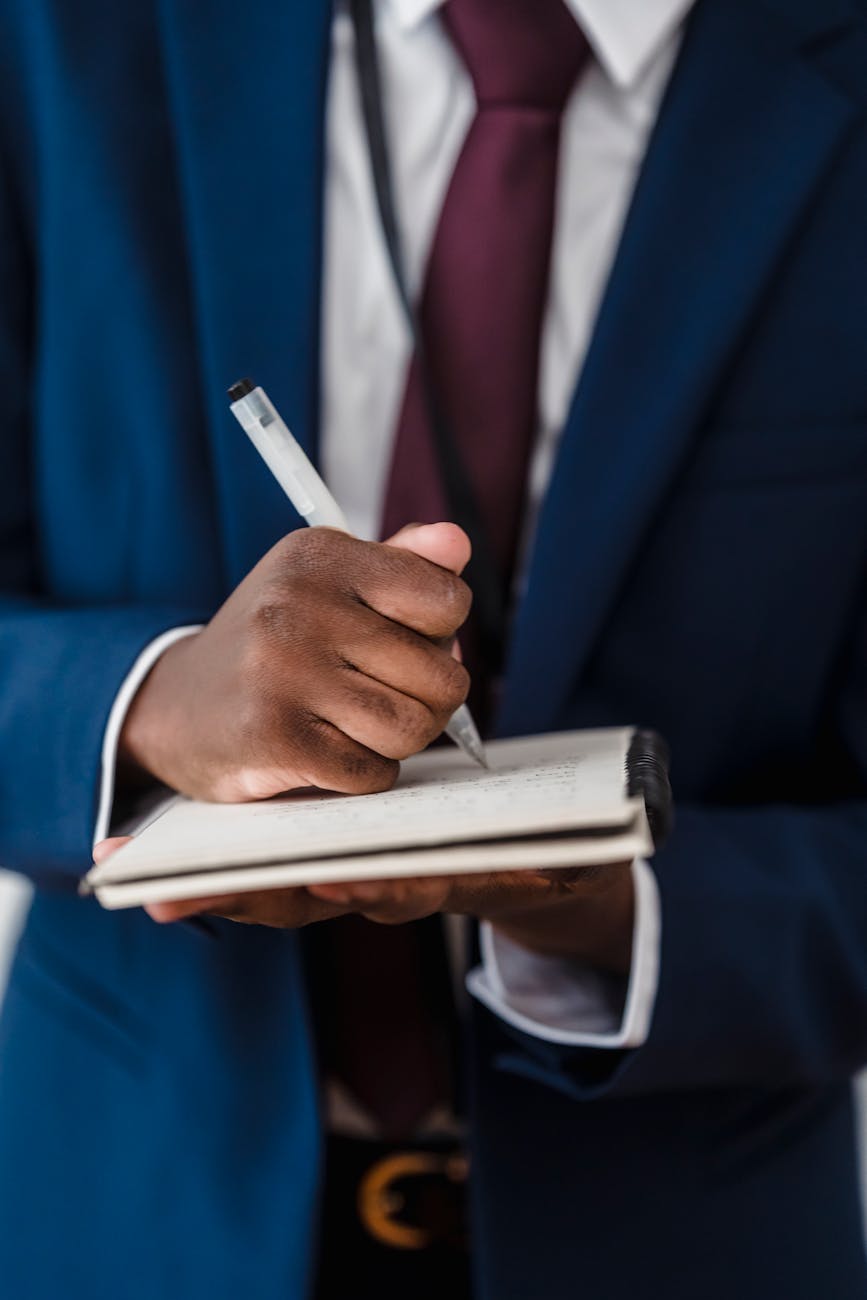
(799, 454)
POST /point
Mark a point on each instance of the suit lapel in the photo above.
(746, 131)
(246, 89)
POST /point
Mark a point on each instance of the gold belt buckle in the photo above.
(380, 1202)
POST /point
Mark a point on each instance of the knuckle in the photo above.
(291, 631)
(363, 771)
(404, 725)
(334, 761)
(447, 596)
(314, 737)
(309, 552)
(292, 549)
(415, 727)
(454, 685)
(263, 647)
(382, 774)
(447, 684)
(269, 622)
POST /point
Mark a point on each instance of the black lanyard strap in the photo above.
(483, 573)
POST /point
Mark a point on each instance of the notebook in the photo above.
(562, 800)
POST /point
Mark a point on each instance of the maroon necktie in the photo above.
(481, 316)
(487, 278)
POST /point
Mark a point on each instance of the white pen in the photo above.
(304, 487)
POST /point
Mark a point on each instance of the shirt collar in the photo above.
(624, 34)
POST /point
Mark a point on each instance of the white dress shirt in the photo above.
(429, 104)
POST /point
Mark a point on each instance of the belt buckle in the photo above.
(380, 1201)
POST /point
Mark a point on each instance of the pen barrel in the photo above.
(287, 461)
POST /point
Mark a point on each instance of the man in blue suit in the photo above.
(181, 200)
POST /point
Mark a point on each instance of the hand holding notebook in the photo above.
(562, 800)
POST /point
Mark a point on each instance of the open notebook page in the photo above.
(535, 785)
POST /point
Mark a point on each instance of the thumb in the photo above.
(442, 544)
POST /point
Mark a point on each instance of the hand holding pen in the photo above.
(311, 498)
(325, 667)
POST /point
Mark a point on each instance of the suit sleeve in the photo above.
(763, 958)
(60, 667)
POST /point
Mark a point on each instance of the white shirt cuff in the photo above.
(116, 717)
(560, 1000)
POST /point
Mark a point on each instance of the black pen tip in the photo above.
(240, 389)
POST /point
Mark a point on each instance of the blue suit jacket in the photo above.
(700, 568)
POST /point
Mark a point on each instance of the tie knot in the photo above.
(519, 53)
